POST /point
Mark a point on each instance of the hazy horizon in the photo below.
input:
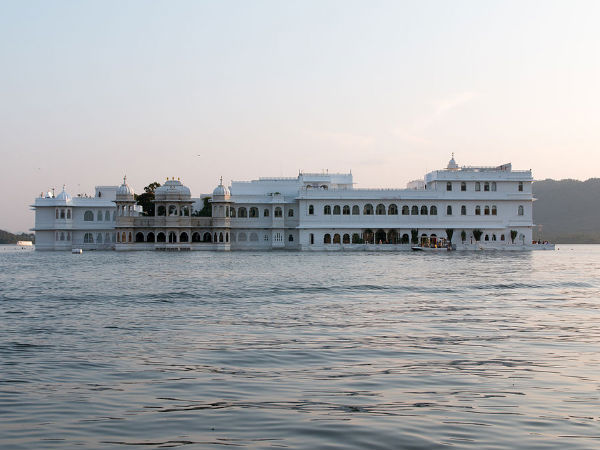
(197, 90)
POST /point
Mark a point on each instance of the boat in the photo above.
(25, 243)
(77, 251)
(420, 248)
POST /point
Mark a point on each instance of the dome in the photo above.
(173, 190)
(220, 189)
(63, 195)
(49, 194)
(452, 164)
(125, 189)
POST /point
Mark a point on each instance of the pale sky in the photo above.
(93, 90)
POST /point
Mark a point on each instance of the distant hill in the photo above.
(568, 210)
(9, 238)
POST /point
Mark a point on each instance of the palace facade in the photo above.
(469, 207)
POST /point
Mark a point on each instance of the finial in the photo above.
(64, 186)
(452, 155)
(221, 181)
(125, 179)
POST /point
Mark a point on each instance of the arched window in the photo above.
(278, 212)
(477, 186)
(433, 210)
(346, 239)
(380, 237)
(327, 239)
(336, 238)
(183, 237)
(62, 235)
(393, 210)
(494, 187)
(405, 210)
(172, 210)
(150, 237)
(161, 211)
(253, 212)
(311, 209)
(423, 210)
(463, 186)
(478, 210)
(501, 237)
(118, 237)
(290, 212)
(231, 212)
(62, 213)
(139, 237)
(99, 216)
(487, 237)
(493, 237)
(521, 210)
(368, 210)
(380, 210)
(88, 216)
(160, 237)
(253, 237)
(242, 237)
(290, 238)
(130, 237)
(355, 238)
(312, 239)
(196, 237)
(107, 216)
(56, 215)
(172, 237)
(69, 214)
(266, 212)
(88, 238)
(463, 210)
(346, 210)
(242, 212)
(69, 236)
(327, 209)
(494, 210)
(449, 210)
(486, 186)
(486, 210)
(355, 210)
(448, 186)
(414, 211)
(185, 211)
(337, 210)
(520, 186)
(221, 237)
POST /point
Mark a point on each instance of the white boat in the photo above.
(77, 251)
(25, 243)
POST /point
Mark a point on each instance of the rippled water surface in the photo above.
(203, 350)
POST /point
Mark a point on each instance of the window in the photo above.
(290, 213)
(501, 237)
(290, 238)
(463, 186)
(520, 186)
(448, 186)
(99, 238)
(486, 210)
(242, 237)
(423, 210)
(336, 238)
(99, 216)
(160, 237)
(69, 236)
(355, 210)
(172, 237)
(57, 213)
(231, 212)
(433, 210)
(62, 235)
(494, 210)
(107, 216)
(278, 212)
(183, 237)
(393, 210)
(449, 210)
(62, 213)
(113, 215)
(337, 210)
(478, 210)
(346, 210)
(172, 210)
(477, 186)
(521, 210)
(312, 239)
(311, 209)
(368, 210)
(88, 238)
(253, 212)
(487, 237)
(493, 186)
(414, 210)
(486, 186)
(242, 212)
(327, 209)
(380, 210)
(346, 239)
(88, 216)
(266, 212)
(405, 210)
(139, 237)
(463, 210)
(327, 239)
(493, 237)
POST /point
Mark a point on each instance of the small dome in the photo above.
(220, 189)
(452, 164)
(49, 194)
(125, 189)
(172, 189)
(63, 195)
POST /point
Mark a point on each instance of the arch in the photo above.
(380, 209)
(253, 237)
(232, 212)
(172, 237)
(69, 214)
(477, 186)
(487, 237)
(215, 238)
(337, 210)
(356, 238)
(368, 210)
(183, 237)
(405, 239)
(62, 214)
(253, 212)
(336, 238)
(88, 238)
(521, 210)
(311, 209)
(172, 210)
(130, 237)
(448, 210)
(185, 211)
(346, 210)
(346, 239)
(98, 216)
(221, 236)
(463, 186)
(207, 237)
(478, 210)
(433, 210)
(327, 239)
(380, 237)
(494, 186)
(242, 237)
(327, 209)
(501, 237)
(242, 212)
(393, 209)
(493, 237)
(160, 237)
(486, 186)
(278, 212)
(423, 210)
(414, 211)
(88, 216)
(98, 238)
(139, 237)
(392, 237)
(463, 210)
(266, 212)
(449, 186)
(290, 212)
(486, 210)
(290, 238)
(405, 210)
(123, 237)
(161, 210)
(368, 236)
(494, 210)
(355, 210)
(150, 237)
(196, 237)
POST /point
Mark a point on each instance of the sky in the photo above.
(91, 91)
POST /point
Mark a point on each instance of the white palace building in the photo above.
(476, 207)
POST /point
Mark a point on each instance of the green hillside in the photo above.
(10, 238)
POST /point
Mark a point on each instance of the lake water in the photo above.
(311, 351)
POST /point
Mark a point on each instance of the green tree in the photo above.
(513, 235)
(414, 233)
(450, 233)
(146, 200)
(477, 234)
(206, 210)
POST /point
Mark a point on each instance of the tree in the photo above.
(477, 234)
(206, 210)
(450, 233)
(463, 235)
(414, 233)
(146, 200)
(513, 235)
